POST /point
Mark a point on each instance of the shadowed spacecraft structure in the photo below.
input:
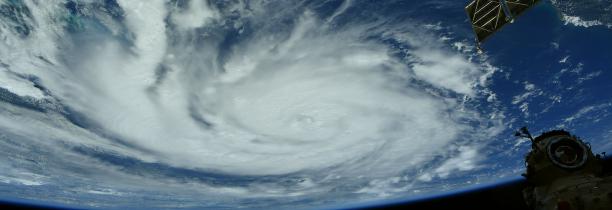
(489, 16)
(564, 174)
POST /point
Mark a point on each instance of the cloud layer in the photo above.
(232, 90)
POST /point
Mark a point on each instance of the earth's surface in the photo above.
(285, 104)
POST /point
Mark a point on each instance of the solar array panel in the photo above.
(488, 16)
(517, 7)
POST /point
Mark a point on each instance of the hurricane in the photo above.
(223, 104)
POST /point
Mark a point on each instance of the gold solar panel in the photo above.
(517, 7)
(488, 16)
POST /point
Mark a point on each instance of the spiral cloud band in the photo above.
(248, 90)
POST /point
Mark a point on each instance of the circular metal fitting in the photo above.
(567, 152)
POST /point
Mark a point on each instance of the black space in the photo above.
(20, 206)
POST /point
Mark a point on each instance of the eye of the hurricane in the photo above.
(308, 122)
(293, 112)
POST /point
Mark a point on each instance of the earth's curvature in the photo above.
(285, 104)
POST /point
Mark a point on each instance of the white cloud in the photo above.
(554, 45)
(589, 76)
(446, 70)
(523, 99)
(530, 91)
(385, 187)
(21, 180)
(197, 14)
(104, 192)
(466, 160)
(463, 47)
(564, 59)
(18, 85)
(577, 21)
(345, 5)
(585, 111)
(303, 99)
